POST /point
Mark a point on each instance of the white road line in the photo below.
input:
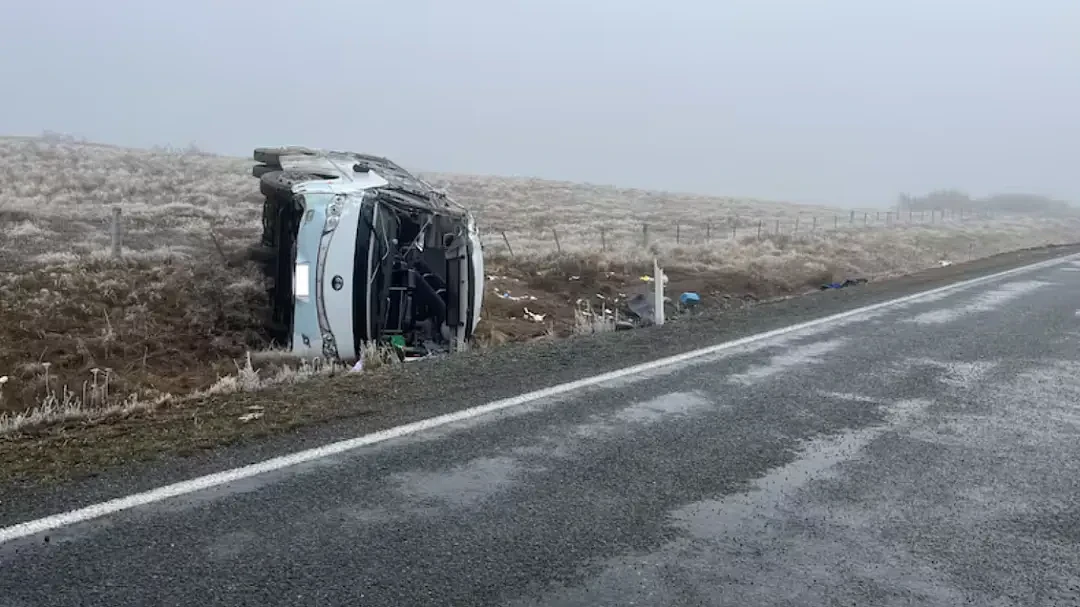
(201, 483)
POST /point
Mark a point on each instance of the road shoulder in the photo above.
(69, 466)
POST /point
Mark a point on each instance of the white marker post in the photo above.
(658, 293)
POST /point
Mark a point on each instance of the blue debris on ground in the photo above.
(689, 298)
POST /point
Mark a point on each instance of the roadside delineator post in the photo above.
(658, 293)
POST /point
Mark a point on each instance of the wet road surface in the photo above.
(925, 454)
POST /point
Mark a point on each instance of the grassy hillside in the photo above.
(179, 310)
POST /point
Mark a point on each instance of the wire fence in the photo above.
(627, 233)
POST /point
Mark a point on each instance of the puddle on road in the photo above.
(651, 411)
(463, 485)
(743, 549)
(793, 357)
(1040, 406)
(470, 483)
(654, 410)
(956, 374)
(986, 302)
(817, 460)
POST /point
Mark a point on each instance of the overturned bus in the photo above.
(359, 250)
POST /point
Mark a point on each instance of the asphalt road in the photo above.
(923, 454)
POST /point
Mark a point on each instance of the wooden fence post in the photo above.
(116, 233)
(759, 224)
(558, 247)
(678, 233)
(708, 232)
(645, 234)
(603, 239)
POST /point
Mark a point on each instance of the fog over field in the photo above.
(844, 102)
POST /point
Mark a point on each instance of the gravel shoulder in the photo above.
(68, 466)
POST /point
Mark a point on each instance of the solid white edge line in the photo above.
(201, 483)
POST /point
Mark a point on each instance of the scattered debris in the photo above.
(359, 366)
(575, 278)
(945, 263)
(689, 298)
(247, 417)
(507, 295)
(847, 283)
(534, 317)
(643, 307)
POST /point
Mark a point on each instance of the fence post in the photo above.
(708, 232)
(116, 233)
(836, 221)
(603, 239)
(734, 228)
(645, 234)
(507, 241)
(814, 228)
(759, 224)
(852, 220)
(796, 230)
(777, 232)
(678, 233)
(558, 247)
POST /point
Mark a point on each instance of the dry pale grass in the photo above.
(85, 335)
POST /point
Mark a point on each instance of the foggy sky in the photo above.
(831, 101)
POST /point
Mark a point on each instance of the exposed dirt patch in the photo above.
(537, 299)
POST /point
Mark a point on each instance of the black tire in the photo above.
(261, 253)
(272, 156)
(261, 169)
